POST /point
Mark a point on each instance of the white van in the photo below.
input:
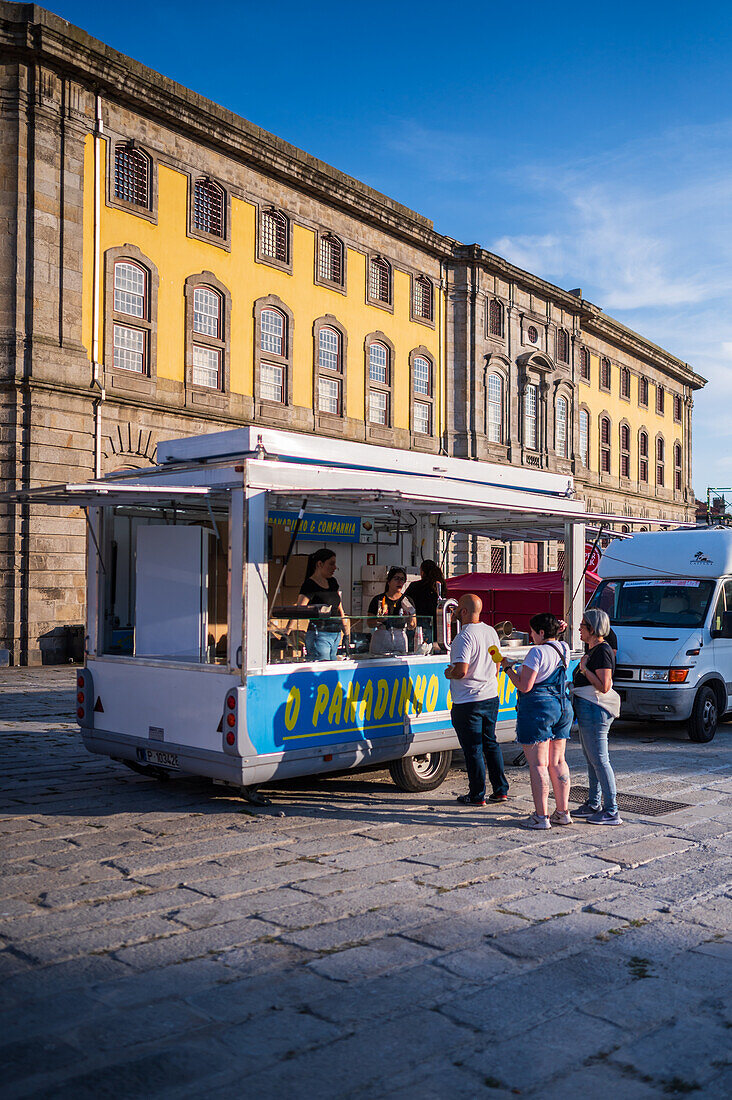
(669, 598)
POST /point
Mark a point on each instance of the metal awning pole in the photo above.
(94, 538)
(575, 568)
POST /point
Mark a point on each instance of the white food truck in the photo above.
(669, 598)
(195, 656)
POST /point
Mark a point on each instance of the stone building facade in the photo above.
(169, 269)
(540, 377)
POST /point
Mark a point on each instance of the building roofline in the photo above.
(30, 30)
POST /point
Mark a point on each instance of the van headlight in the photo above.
(654, 674)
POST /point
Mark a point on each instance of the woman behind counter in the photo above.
(544, 719)
(397, 613)
(425, 594)
(320, 587)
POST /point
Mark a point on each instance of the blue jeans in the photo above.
(594, 725)
(322, 645)
(475, 726)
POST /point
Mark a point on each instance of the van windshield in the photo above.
(654, 602)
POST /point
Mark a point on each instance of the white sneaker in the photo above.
(536, 821)
(561, 817)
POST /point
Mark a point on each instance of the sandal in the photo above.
(561, 817)
(536, 821)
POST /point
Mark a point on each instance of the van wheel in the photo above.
(704, 716)
(421, 773)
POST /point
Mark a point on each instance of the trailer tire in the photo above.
(421, 773)
(704, 716)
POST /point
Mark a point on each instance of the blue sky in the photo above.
(589, 144)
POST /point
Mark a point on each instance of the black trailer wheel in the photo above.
(704, 716)
(421, 773)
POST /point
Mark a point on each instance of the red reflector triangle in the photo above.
(98, 706)
(220, 727)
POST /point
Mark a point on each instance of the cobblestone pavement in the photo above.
(351, 940)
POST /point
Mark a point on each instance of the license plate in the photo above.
(156, 756)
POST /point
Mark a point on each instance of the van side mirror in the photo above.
(725, 630)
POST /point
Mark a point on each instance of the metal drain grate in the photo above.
(634, 803)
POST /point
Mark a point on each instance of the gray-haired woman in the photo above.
(595, 706)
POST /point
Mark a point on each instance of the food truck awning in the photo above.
(94, 494)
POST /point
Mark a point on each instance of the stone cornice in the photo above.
(29, 31)
(473, 253)
(595, 321)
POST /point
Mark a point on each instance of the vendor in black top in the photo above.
(394, 613)
(425, 594)
(320, 588)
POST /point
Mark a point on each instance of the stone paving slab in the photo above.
(352, 940)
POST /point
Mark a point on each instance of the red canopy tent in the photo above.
(517, 596)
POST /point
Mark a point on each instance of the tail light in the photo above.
(84, 698)
(230, 720)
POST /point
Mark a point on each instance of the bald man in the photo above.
(473, 680)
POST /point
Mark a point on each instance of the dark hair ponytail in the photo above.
(317, 557)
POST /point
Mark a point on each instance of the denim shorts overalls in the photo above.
(544, 713)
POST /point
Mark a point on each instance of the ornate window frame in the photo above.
(223, 241)
(605, 365)
(643, 455)
(678, 454)
(379, 259)
(585, 374)
(659, 456)
(149, 212)
(624, 453)
(624, 382)
(605, 447)
(119, 377)
(560, 395)
(424, 281)
(340, 286)
(500, 311)
(660, 400)
(563, 346)
(327, 420)
(268, 209)
(263, 405)
(678, 405)
(584, 459)
(643, 391)
(208, 280)
(379, 431)
(422, 352)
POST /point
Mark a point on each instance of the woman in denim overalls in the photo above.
(544, 719)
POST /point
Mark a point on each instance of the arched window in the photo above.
(330, 259)
(273, 236)
(495, 318)
(531, 415)
(131, 299)
(643, 456)
(605, 374)
(495, 409)
(330, 371)
(677, 468)
(584, 437)
(379, 388)
(208, 208)
(132, 176)
(660, 460)
(659, 400)
(422, 395)
(562, 345)
(585, 364)
(625, 382)
(560, 427)
(273, 342)
(643, 392)
(677, 408)
(624, 450)
(208, 342)
(423, 298)
(604, 445)
(379, 280)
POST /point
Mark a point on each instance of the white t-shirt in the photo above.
(471, 648)
(545, 659)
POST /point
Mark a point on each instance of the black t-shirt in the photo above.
(600, 656)
(330, 597)
(424, 598)
(383, 605)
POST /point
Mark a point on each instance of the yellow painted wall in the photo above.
(620, 409)
(177, 256)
